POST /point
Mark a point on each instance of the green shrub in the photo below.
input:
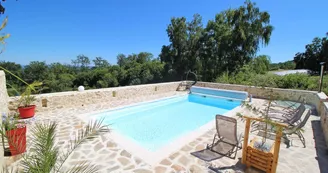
(247, 76)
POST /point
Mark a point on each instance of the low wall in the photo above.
(3, 105)
(312, 97)
(71, 99)
(324, 123)
(45, 102)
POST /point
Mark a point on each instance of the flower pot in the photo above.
(17, 140)
(259, 158)
(26, 112)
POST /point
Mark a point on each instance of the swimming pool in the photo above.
(153, 125)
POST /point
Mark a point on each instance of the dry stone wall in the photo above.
(72, 99)
(324, 120)
(45, 102)
(3, 105)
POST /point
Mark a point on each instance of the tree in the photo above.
(261, 64)
(14, 68)
(144, 57)
(81, 62)
(100, 62)
(121, 60)
(36, 71)
(315, 53)
(226, 44)
(177, 33)
(237, 35)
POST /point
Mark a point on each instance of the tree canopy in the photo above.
(315, 52)
(227, 43)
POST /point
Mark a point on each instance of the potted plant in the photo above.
(26, 108)
(261, 153)
(15, 133)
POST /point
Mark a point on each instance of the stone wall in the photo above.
(324, 123)
(71, 99)
(312, 97)
(3, 105)
(45, 102)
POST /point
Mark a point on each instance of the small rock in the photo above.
(137, 160)
(196, 169)
(160, 169)
(142, 171)
(103, 151)
(75, 155)
(129, 167)
(184, 160)
(193, 143)
(113, 168)
(173, 156)
(112, 155)
(86, 151)
(166, 162)
(111, 144)
(124, 161)
(98, 147)
(126, 154)
(186, 148)
(178, 168)
(200, 147)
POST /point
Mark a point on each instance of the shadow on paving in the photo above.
(320, 145)
(237, 168)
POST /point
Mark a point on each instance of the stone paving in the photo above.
(110, 157)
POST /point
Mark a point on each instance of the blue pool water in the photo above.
(154, 124)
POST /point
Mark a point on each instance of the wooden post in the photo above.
(247, 127)
(276, 149)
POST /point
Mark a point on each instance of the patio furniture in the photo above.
(292, 118)
(295, 129)
(289, 107)
(225, 141)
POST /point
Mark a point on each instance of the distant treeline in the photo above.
(288, 65)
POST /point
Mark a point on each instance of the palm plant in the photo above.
(26, 98)
(45, 157)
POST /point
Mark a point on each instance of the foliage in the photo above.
(26, 98)
(139, 68)
(11, 121)
(247, 76)
(45, 157)
(227, 43)
(315, 53)
(288, 65)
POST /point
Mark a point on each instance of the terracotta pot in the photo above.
(17, 140)
(26, 112)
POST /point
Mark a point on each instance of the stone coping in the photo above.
(101, 89)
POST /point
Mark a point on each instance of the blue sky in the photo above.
(58, 31)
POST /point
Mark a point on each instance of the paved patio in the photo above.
(111, 157)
